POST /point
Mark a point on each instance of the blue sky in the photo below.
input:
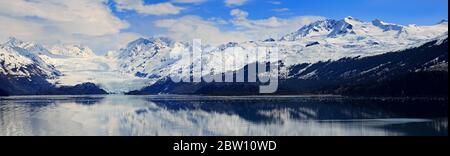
(110, 24)
(420, 12)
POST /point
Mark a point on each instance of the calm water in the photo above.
(198, 116)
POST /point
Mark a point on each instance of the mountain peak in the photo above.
(377, 21)
(30, 46)
(140, 41)
(343, 27)
(228, 45)
(386, 26)
(161, 41)
(320, 27)
(329, 27)
(146, 46)
(444, 21)
(351, 20)
(72, 50)
(13, 41)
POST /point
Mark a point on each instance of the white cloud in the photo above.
(240, 14)
(218, 20)
(103, 44)
(69, 21)
(89, 17)
(231, 3)
(188, 28)
(240, 20)
(165, 8)
(212, 31)
(281, 10)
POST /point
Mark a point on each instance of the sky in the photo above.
(107, 25)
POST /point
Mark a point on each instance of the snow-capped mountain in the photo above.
(419, 71)
(376, 29)
(23, 71)
(320, 41)
(21, 59)
(351, 37)
(28, 68)
(32, 47)
(151, 58)
(72, 51)
(158, 57)
(334, 39)
(67, 50)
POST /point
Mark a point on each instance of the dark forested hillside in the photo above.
(40, 86)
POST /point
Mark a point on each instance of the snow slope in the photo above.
(72, 51)
(320, 41)
(20, 59)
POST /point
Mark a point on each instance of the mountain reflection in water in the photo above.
(241, 116)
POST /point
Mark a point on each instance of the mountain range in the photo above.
(419, 71)
(346, 56)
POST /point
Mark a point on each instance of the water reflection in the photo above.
(198, 116)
